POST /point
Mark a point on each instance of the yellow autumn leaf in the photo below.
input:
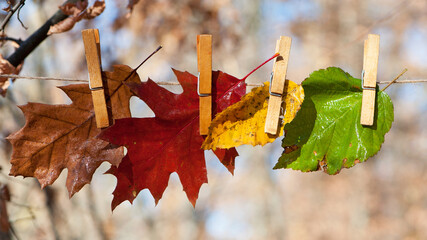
(243, 122)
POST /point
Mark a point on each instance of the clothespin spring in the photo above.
(282, 110)
(198, 88)
(94, 88)
(363, 80)
(273, 93)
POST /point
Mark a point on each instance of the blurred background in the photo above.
(383, 198)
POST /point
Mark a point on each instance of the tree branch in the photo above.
(19, 18)
(36, 38)
(10, 14)
(18, 41)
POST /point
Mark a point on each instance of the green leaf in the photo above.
(326, 132)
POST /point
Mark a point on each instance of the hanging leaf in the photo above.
(244, 121)
(326, 132)
(7, 68)
(171, 141)
(76, 12)
(64, 136)
(95, 10)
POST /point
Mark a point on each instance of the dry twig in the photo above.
(12, 11)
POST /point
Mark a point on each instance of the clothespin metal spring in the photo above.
(273, 93)
(198, 88)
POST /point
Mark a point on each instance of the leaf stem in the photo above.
(274, 56)
(395, 79)
(134, 71)
(149, 56)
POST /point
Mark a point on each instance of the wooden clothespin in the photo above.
(93, 59)
(369, 79)
(278, 82)
(204, 65)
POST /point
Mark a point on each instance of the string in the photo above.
(175, 83)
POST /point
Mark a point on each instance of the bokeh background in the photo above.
(383, 198)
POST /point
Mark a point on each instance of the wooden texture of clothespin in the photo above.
(93, 58)
(278, 82)
(369, 79)
(204, 65)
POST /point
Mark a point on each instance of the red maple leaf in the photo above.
(170, 142)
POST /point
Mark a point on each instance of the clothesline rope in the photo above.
(169, 83)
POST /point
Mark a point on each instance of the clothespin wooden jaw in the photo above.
(369, 79)
(204, 88)
(93, 58)
(277, 87)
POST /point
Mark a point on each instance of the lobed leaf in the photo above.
(244, 121)
(326, 133)
(7, 68)
(64, 136)
(171, 141)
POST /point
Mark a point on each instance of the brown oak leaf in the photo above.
(10, 4)
(7, 9)
(76, 11)
(7, 68)
(64, 25)
(95, 10)
(64, 136)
